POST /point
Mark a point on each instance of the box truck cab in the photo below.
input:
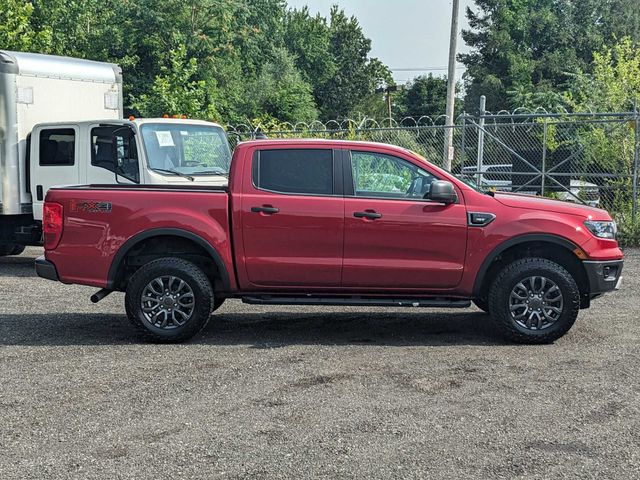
(61, 123)
(145, 151)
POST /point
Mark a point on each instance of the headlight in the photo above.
(602, 229)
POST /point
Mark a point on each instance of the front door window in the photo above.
(382, 176)
(114, 148)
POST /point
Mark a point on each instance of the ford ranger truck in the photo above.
(324, 222)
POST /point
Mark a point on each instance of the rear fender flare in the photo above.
(158, 232)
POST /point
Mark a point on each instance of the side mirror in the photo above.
(442, 192)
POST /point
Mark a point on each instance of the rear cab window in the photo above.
(294, 171)
(57, 147)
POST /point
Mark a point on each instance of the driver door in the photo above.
(394, 238)
(114, 155)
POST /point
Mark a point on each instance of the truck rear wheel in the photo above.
(534, 300)
(169, 300)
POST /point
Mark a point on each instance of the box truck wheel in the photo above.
(17, 249)
(169, 300)
(10, 249)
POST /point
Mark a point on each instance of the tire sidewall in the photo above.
(189, 273)
(501, 291)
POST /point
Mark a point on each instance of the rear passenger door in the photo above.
(293, 219)
(53, 161)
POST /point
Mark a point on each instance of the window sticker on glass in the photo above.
(184, 133)
(164, 138)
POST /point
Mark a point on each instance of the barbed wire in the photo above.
(520, 115)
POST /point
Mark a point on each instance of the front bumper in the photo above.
(46, 269)
(604, 276)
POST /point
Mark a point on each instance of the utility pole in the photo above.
(451, 87)
(387, 91)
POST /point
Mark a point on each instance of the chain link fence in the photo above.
(584, 158)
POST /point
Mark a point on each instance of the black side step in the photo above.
(357, 301)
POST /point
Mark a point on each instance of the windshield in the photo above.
(186, 149)
(470, 182)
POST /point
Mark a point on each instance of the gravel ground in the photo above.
(314, 392)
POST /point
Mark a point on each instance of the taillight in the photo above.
(52, 219)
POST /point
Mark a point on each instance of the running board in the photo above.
(357, 301)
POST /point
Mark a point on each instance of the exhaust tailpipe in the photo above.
(100, 294)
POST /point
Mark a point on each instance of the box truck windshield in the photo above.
(186, 149)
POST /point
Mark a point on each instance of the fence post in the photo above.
(636, 160)
(544, 156)
(463, 141)
(483, 110)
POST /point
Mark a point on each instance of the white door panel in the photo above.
(54, 161)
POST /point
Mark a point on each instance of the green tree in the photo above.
(175, 91)
(356, 75)
(526, 51)
(308, 38)
(425, 95)
(613, 85)
(280, 92)
(225, 46)
(16, 28)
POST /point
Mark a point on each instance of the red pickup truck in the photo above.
(323, 222)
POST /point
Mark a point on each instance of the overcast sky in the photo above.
(403, 33)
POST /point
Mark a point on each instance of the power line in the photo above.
(427, 69)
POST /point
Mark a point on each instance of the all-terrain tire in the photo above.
(196, 281)
(514, 273)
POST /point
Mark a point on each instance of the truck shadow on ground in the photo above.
(264, 330)
(21, 266)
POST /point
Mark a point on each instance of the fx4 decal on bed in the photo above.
(90, 206)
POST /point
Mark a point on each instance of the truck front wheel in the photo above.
(169, 300)
(534, 300)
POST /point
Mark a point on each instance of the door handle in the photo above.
(265, 209)
(369, 215)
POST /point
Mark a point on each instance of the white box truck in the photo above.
(61, 123)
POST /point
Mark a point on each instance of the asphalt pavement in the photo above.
(314, 392)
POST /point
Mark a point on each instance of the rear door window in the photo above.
(294, 171)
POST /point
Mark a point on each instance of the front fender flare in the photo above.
(512, 242)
